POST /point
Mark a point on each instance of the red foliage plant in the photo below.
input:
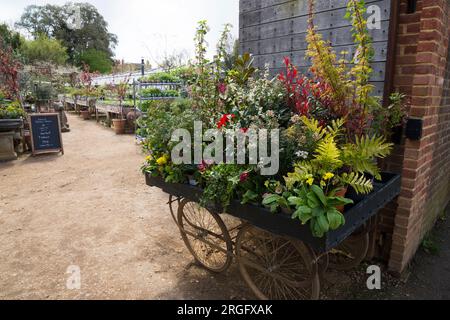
(9, 72)
(305, 95)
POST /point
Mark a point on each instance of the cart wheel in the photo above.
(350, 253)
(172, 202)
(322, 264)
(275, 267)
(205, 235)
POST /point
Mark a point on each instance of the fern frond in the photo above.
(335, 128)
(374, 147)
(301, 170)
(361, 156)
(327, 154)
(314, 126)
(358, 182)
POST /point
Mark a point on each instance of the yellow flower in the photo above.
(149, 158)
(162, 160)
(328, 176)
(310, 181)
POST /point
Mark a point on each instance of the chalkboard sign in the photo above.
(46, 133)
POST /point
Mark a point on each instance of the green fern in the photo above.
(374, 147)
(328, 155)
(314, 126)
(335, 128)
(358, 182)
(301, 170)
(361, 156)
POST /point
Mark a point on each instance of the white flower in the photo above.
(295, 118)
(270, 113)
(302, 154)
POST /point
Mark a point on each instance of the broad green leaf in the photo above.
(316, 230)
(323, 223)
(313, 202)
(319, 193)
(270, 199)
(295, 201)
(335, 219)
(303, 214)
(338, 201)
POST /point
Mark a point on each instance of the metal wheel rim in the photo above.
(205, 235)
(173, 212)
(350, 253)
(282, 269)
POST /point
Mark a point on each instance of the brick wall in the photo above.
(422, 72)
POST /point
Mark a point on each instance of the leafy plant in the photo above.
(275, 201)
(222, 181)
(320, 210)
(11, 110)
(336, 164)
(242, 70)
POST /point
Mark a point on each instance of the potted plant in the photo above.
(88, 91)
(121, 91)
(11, 115)
(11, 119)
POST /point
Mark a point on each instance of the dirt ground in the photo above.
(91, 208)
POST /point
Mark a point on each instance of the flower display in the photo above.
(329, 136)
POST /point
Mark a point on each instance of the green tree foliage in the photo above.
(79, 27)
(43, 49)
(9, 38)
(96, 60)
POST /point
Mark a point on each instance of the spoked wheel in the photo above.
(276, 268)
(350, 253)
(322, 264)
(205, 235)
(174, 202)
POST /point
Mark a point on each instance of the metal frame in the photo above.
(138, 86)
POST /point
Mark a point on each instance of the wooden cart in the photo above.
(278, 257)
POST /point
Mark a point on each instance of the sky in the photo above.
(150, 29)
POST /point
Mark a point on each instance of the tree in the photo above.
(10, 38)
(44, 49)
(96, 60)
(79, 27)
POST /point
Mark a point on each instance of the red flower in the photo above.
(224, 120)
(244, 176)
(203, 166)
